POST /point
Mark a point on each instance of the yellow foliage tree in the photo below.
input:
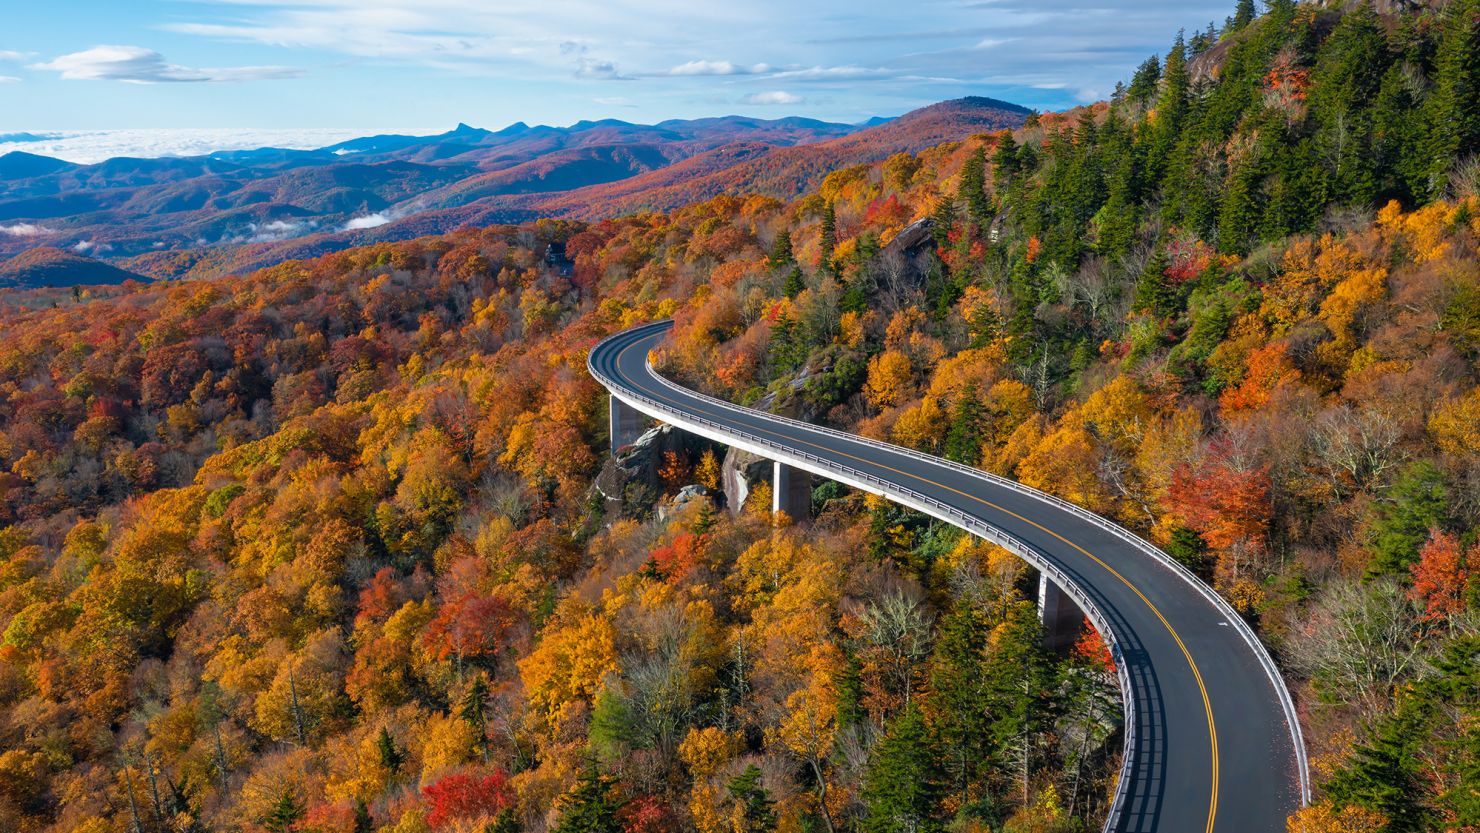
(922, 426)
(1065, 463)
(1324, 818)
(568, 666)
(1119, 413)
(1456, 425)
(707, 473)
(447, 741)
(890, 379)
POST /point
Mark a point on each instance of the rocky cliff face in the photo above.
(740, 474)
(630, 478)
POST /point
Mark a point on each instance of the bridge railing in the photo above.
(935, 508)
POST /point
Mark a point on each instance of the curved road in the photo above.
(1212, 744)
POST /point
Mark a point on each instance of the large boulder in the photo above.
(690, 495)
(740, 473)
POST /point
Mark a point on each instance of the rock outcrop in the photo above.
(740, 474)
(632, 474)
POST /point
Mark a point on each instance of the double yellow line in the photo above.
(1196, 674)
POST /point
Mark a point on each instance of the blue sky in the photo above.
(374, 64)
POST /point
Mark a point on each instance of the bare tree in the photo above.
(1360, 641)
(1356, 448)
(899, 627)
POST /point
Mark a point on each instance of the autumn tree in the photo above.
(1440, 577)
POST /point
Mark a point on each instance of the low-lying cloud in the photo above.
(137, 65)
(88, 146)
(368, 221)
(24, 230)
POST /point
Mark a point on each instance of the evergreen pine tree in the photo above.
(1241, 210)
(1154, 292)
(963, 437)
(942, 221)
(958, 696)
(592, 807)
(1347, 77)
(1171, 108)
(903, 787)
(390, 757)
(1385, 773)
(1463, 798)
(1019, 679)
(1453, 107)
(1005, 163)
(795, 283)
(755, 811)
(1144, 81)
(1243, 15)
(849, 685)
(781, 253)
(363, 821)
(284, 812)
(784, 343)
(972, 190)
(706, 519)
(473, 709)
(827, 240)
(1416, 504)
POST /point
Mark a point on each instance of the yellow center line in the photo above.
(1197, 675)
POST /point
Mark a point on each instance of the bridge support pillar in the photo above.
(625, 423)
(791, 491)
(1062, 620)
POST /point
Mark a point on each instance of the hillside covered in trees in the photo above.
(322, 548)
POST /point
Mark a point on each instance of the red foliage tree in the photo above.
(464, 796)
(470, 625)
(679, 558)
(380, 597)
(1440, 577)
(1224, 503)
(1092, 649)
(646, 814)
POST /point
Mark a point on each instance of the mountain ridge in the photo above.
(392, 186)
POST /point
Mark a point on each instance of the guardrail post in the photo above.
(625, 423)
(1062, 620)
(791, 491)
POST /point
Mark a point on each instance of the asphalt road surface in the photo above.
(1212, 747)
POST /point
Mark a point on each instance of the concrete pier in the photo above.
(1062, 620)
(625, 423)
(791, 491)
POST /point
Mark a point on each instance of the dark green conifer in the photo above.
(756, 811)
(904, 785)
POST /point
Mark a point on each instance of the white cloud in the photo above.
(9, 79)
(993, 47)
(279, 230)
(773, 98)
(88, 147)
(83, 246)
(842, 73)
(24, 230)
(12, 57)
(717, 68)
(614, 101)
(599, 70)
(137, 65)
(368, 221)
